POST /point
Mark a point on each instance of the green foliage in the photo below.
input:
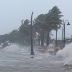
(48, 22)
(4, 38)
(13, 36)
(43, 25)
(24, 32)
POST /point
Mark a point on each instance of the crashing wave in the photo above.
(66, 53)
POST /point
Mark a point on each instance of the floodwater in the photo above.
(18, 59)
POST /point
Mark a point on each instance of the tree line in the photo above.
(42, 27)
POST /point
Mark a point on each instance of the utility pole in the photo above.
(64, 34)
(63, 37)
(32, 52)
(56, 35)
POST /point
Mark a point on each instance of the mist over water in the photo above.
(66, 53)
(15, 57)
(16, 48)
(20, 52)
(15, 53)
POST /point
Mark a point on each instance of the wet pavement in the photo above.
(21, 61)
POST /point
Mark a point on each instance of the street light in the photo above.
(32, 52)
(64, 29)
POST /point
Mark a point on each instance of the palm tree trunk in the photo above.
(47, 43)
(42, 37)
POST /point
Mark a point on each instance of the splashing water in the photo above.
(66, 53)
(15, 58)
(23, 51)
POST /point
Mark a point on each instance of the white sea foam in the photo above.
(14, 48)
(66, 53)
(11, 48)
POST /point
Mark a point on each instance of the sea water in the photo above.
(15, 58)
(66, 53)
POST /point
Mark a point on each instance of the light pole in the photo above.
(32, 52)
(64, 30)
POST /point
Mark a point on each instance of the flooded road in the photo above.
(19, 60)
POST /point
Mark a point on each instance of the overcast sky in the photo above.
(13, 11)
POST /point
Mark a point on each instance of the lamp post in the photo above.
(64, 30)
(32, 52)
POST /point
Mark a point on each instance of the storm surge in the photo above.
(23, 51)
(14, 48)
(66, 53)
